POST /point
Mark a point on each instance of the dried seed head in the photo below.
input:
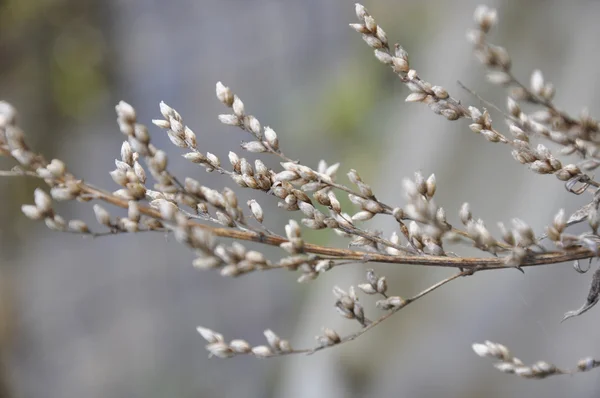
(102, 216)
(262, 351)
(485, 17)
(271, 138)
(272, 339)
(240, 346)
(42, 201)
(254, 147)
(220, 350)
(230, 120)
(537, 82)
(238, 107)
(78, 226)
(57, 168)
(465, 213)
(32, 212)
(256, 210)
(224, 94)
(125, 112)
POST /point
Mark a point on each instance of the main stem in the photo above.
(346, 254)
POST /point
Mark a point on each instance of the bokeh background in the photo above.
(116, 317)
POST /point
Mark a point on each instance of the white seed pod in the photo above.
(396, 302)
(361, 11)
(159, 161)
(189, 137)
(125, 112)
(360, 28)
(167, 209)
(126, 153)
(256, 210)
(161, 123)
(440, 92)
(586, 364)
(44, 173)
(206, 262)
(505, 367)
(139, 172)
(102, 216)
(213, 160)
(176, 139)
(230, 120)
(384, 57)
(465, 213)
(42, 200)
(416, 97)
(194, 157)
(286, 175)
(498, 77)
(400, 65)
(272, 339)
(262, 351)
(363, 216)
(119, 176)
(56, 223)
(225, 219)
(485, 17)
(234, 160)
(57, 168)
(398, 213)
(255, 257)
(220, 350)
(129, 226)
(367, 288)
(224, 94)
(78, 226)
(133, 211)
(240, 346)
(261, 168)
(324, 265)
(381, 285)
(381, 35)
(238, 107)
(537, 82)
(250, 181)
(230, 197)
(541, 167)
(285, 346)
(168, 112)
(253, 125)
(307, 209)
(254, 147)
(481, 349)
(32, 212)
(559, 220)
(332, 335)
(450, 114)
(372, 41)
(524, 371)
(23, 156)
(271, 138)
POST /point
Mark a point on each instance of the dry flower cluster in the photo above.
(213, 223)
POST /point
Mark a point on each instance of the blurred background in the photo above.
(117, 316)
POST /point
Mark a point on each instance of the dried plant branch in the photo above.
(347, 305)
(213, 224)
(540, 370)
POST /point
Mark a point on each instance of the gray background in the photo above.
(116, 317)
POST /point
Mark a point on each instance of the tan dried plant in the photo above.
(214, 224)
